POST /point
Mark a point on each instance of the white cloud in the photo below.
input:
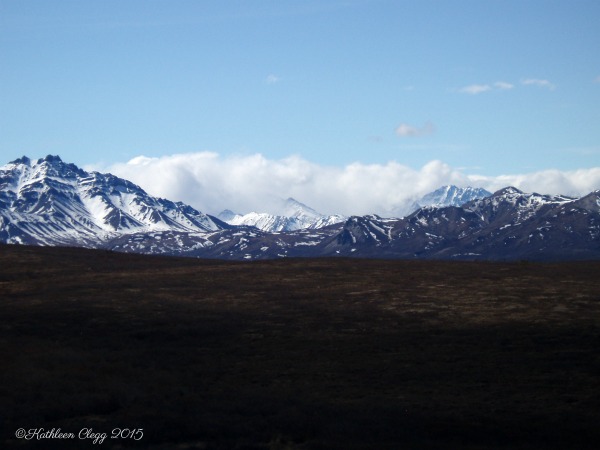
(574, 182)
(406, 130)
(503, 85)
(272, 79)
(537, 82)
(212, 183)
(475, 89)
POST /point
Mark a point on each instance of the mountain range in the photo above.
(50, 202)
(294, 215)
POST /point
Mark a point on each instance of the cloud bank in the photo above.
(211, 182)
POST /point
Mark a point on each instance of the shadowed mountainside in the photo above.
(299, 353)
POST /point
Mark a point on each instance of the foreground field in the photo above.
(298, 354)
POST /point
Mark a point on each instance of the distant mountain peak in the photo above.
(22, 160)
(51, 159)
(451, 195)
(290, 216)
(509, 190)
(25, 160)
(294, 208)
(227, 215)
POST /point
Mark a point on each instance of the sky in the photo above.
(350, 106)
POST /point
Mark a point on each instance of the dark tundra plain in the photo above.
(298, 353)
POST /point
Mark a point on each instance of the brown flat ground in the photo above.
(298, 354)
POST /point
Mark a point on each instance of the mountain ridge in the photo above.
(49, 202)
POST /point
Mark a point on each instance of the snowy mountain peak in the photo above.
(27, 161)
(452, 196)
(227, 215)
(291, 216)
(514, 203)
(293, 208)
(513, 195)
(43, 168)
(50, 202)
(589, 202)
(22, 160)
(52, 159)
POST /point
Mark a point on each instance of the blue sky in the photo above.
(487, 87)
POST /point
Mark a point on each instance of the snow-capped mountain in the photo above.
(292, 216)
(509, 224)
(452, 196)
(511, 204)
(49, 202)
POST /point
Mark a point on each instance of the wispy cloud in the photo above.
(503, 85)
(406, 130)
(211, 182)
(597, 79)
(538, 82)
(475, 89)
(272, 79)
